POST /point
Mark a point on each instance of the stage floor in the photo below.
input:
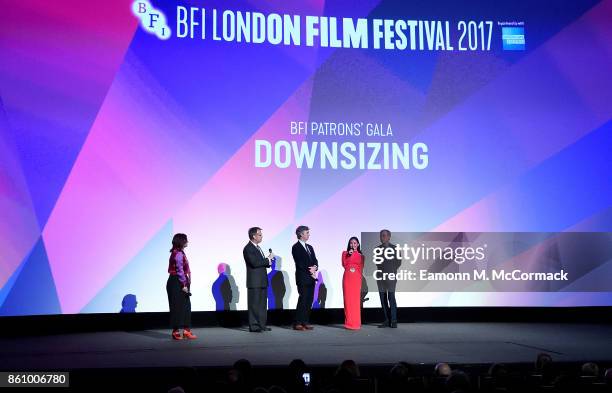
(428, 343)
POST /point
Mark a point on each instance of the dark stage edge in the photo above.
(418, 343)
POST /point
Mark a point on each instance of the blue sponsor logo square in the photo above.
(513, 38)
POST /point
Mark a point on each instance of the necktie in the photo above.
(262, 254)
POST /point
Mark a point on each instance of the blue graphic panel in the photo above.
(33, 291)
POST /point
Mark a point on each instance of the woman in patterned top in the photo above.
(179, 283)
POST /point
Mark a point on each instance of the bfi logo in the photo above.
(151, 19)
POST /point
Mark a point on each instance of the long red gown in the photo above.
(351, 288)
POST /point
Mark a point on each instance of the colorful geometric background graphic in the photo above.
(111, 140)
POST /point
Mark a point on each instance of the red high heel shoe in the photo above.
(176, 335)
(187, 334)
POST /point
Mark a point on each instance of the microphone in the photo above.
(270, 251)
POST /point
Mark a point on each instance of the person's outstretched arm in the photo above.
(254, 259)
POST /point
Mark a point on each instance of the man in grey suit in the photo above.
(306, 267)
(257, 281)
(386, 287)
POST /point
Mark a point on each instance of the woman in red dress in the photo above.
(352, 261)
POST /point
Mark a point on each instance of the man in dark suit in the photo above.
(257, 281)
(306, 266)
(386, 286)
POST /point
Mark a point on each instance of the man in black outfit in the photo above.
(306, 266)
(386, 286)
(257, 281)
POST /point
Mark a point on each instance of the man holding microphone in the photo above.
(257, 280)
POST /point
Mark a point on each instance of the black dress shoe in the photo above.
(255, 330)
(384, 325)
(394, 325)
(266, 329)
